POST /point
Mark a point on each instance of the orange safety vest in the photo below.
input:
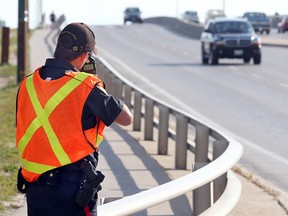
(49, 128)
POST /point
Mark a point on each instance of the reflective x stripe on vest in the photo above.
(42, 120)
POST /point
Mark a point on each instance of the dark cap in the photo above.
(77, 37)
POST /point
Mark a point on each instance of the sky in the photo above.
(110, 12)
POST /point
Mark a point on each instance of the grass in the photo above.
(9, 160)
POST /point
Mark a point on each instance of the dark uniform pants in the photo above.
(54, 195)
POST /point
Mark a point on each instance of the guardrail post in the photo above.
(109, 81)
(137, 111)
(117, 88)
(100, 70)
(149, 110)
(201, 196)
(106, 74)
(181, 142)
(219, 184)
(163, 130)
(127, 96)
(5, 45)
(114, 90)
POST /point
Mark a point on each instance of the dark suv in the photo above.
(259, 21)
(133, 15)
(230, 38)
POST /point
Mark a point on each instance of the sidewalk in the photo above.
(132, 165)
(280, 42)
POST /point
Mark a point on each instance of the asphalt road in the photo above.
(248, 100)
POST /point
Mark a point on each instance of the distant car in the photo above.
(191, 16)
(230, 38)
(132, 14)
(259, 21)
(282, 26)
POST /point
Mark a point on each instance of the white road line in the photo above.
(285, 85)
(256, 76)
(261, 150)
(233, 68)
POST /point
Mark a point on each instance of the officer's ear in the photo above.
(84, 57)
(80, 60)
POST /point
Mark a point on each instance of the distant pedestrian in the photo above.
(52, 17)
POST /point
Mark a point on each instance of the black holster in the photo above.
(22, 184)
(90, 185)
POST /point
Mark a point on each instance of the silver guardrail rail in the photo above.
(216, 189)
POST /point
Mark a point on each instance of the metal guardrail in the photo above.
(215, 152)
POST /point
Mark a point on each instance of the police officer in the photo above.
(61, 114)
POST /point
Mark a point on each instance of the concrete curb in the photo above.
(274, 44)
(272, 190)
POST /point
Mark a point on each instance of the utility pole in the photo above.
(22, 39)
(40, 14)
(177, 8)
(223, 7)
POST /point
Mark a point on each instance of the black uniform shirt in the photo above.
(106, 107)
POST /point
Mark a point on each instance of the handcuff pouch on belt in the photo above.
(90, 185)
(22, 184)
